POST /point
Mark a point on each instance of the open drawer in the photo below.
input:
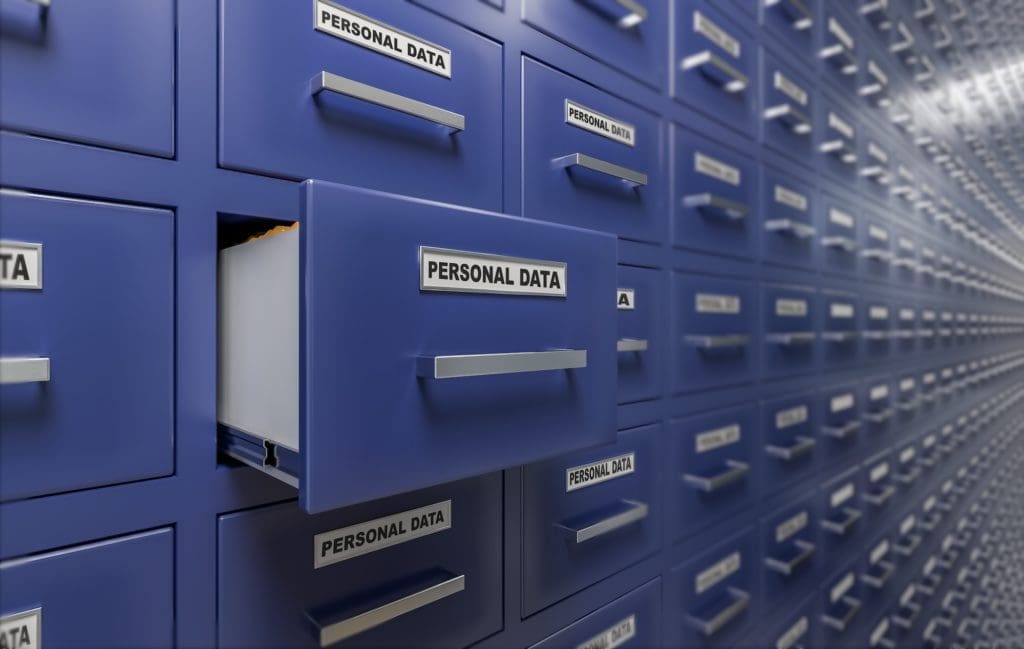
(389, 344)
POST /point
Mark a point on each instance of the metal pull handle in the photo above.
(790, 227)
(717, 342)
(840, 624)
(734, 472)
(791, 338)
(907, 41)
(717, 206)
(876, 173)
(904, 262)
(24, 369)
(879, 416)
(906, 616)
(845, 244)
(717, 70)
(370, 94)
(907, 547)
(789, 115)
(627, 513)
(929, 523)
(786, 568)
(882, 497)
(841, 149)
(710, 626)
(801, 16)
(908, 477)
(840, 56)
(840, 336)
(841, 528)
(876, 334)
(625, 13)
(802, 446)
(631, 345)
(875, 254)
(909, 405)
(584, 161)
(843, 431)
(332, 633)
(878, 581)
(453, 367)
(926, 12)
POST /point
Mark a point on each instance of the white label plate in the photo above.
(457, 271)
(590, 120)
(715, 34)
(790, 526)
(790, 198)
(616, 636)
(625, 299)
(788, 308)
(792, 635)
(842, 402)
(376, 36)
(716, 169)
(790, 417)
(787, 87)
(363, 538)
(717, 438)
(22, 630)
(716, 573)
(588, 475)
(21, 265)
(713, 303)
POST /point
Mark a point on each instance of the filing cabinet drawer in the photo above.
(643, 341)
(791, 22)
(840, 332)
(838, 50)
(788, 229)
(100, 72)
(86, 344)
(714, 467)
(790, 331)
(876, 328)
(789, 538)
(878, 570)
(629, 35)
(589, 514)
(714, 199)
(492, 323)
(841, 426)
(715, 65)
(790, 448)
(716, 322)
(422, 569)
(879, 488)
(841, 513)
(836, 140)
(841, 614)
(398, 99)
(879, 409)
(839, 236)
(113, 593)
(906, 334)
(714, 595)
(590, 159)
(633, 620)
(787, 108)
(874, 169)
(876, 248)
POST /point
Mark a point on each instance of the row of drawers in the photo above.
(427, 566)
(730, 332)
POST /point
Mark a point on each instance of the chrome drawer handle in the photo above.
(879, 416)
(633, 512)
(718, 342)
(909, 405)
(908, 477)
(791, 338)
(790, 227)
(878, 582)
(930, 523)
(840, 336)
(635, 13)
(711, 626)
(841, 57)
(879, 499)
(716, 205)
(787, 568)
(634, 178)
(875, 254)
(330, 634)
(801, 447)
(839, 243)
(876, 335)
(631, 345)
(842, 432)
(907, 41)
(841, 149)
(841, 528)
(786, 113)
(715, 68)
(735, 472)
(802, 17)
(875, 172)
(908, 548)
(840, 624)
(344, 86)
(26, 369)
(453, 367)
(906, 619)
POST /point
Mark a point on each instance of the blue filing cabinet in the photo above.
(307, 334)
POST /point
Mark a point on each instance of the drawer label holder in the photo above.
(588, 475)
(625, 299)
(616, 636)
(21, 265)
(363, 538)
(458, 271)
(337, 21)
(22, 630)
(590, 120)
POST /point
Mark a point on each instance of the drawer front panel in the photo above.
(633, 620)
(305, 94)
(102, 324)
